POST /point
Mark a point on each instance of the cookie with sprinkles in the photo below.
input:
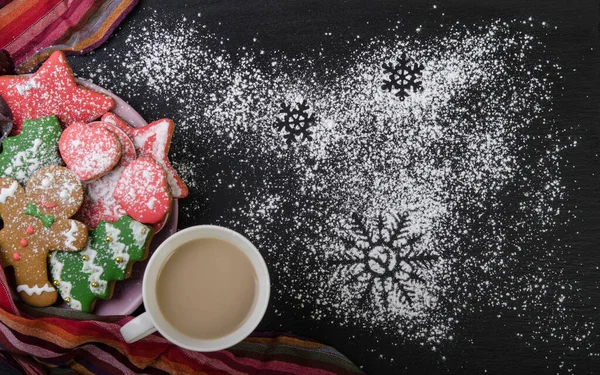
(34, 148)
(112, 249)
(143, 191)
(89, 151)
(52, 90)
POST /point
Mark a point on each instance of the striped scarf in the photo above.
(62, 341)
(30, 30)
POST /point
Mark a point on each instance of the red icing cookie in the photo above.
(99, 203)
(89, 151)
(154, 140)
(111, 118)
(128, 153)
(143, 191)
(52, 90)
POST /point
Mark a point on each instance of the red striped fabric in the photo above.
(30, 30)
(33, 340)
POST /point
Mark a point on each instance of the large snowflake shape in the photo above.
(296, 121)
(383, 260)
(403, 77)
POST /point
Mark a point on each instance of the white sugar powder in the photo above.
(398, 215)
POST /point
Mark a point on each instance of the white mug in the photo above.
(153, 320)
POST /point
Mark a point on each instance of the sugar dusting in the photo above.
(407, 216)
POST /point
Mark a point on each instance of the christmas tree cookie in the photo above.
(34, 148)
(83, 277)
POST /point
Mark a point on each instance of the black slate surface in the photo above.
(481, 342)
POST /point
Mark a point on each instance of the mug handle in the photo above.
(138, 328)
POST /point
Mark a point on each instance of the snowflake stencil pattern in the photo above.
(296, 121)
(383, 261)
(403, 77)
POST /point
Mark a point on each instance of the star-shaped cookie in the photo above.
(153, 140)
(52, 90)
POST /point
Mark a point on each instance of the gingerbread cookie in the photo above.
(143, 191)
(34, 148)
(111, 251)
(89, 151)
(99, 203)
(154, 140)
(36, 221)
(52, 90)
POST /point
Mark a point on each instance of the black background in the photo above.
(298, 27)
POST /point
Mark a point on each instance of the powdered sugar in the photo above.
(463, 175)
(27, 85)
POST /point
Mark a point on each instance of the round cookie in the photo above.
(143, 191)
(36, 221)
(90, 152)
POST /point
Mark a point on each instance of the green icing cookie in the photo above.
(34, 148)
(84, 276)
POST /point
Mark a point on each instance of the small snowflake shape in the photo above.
(296, 121)
(403, 77)
(383, 261)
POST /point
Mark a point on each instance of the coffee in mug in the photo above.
(206, 288)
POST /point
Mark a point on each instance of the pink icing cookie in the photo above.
(99, 203)
(90, 152)
(143, 191)
(154, 140)
(52, 90)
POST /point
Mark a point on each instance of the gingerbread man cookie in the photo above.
(36, 221)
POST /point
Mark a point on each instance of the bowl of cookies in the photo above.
(87, 191)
